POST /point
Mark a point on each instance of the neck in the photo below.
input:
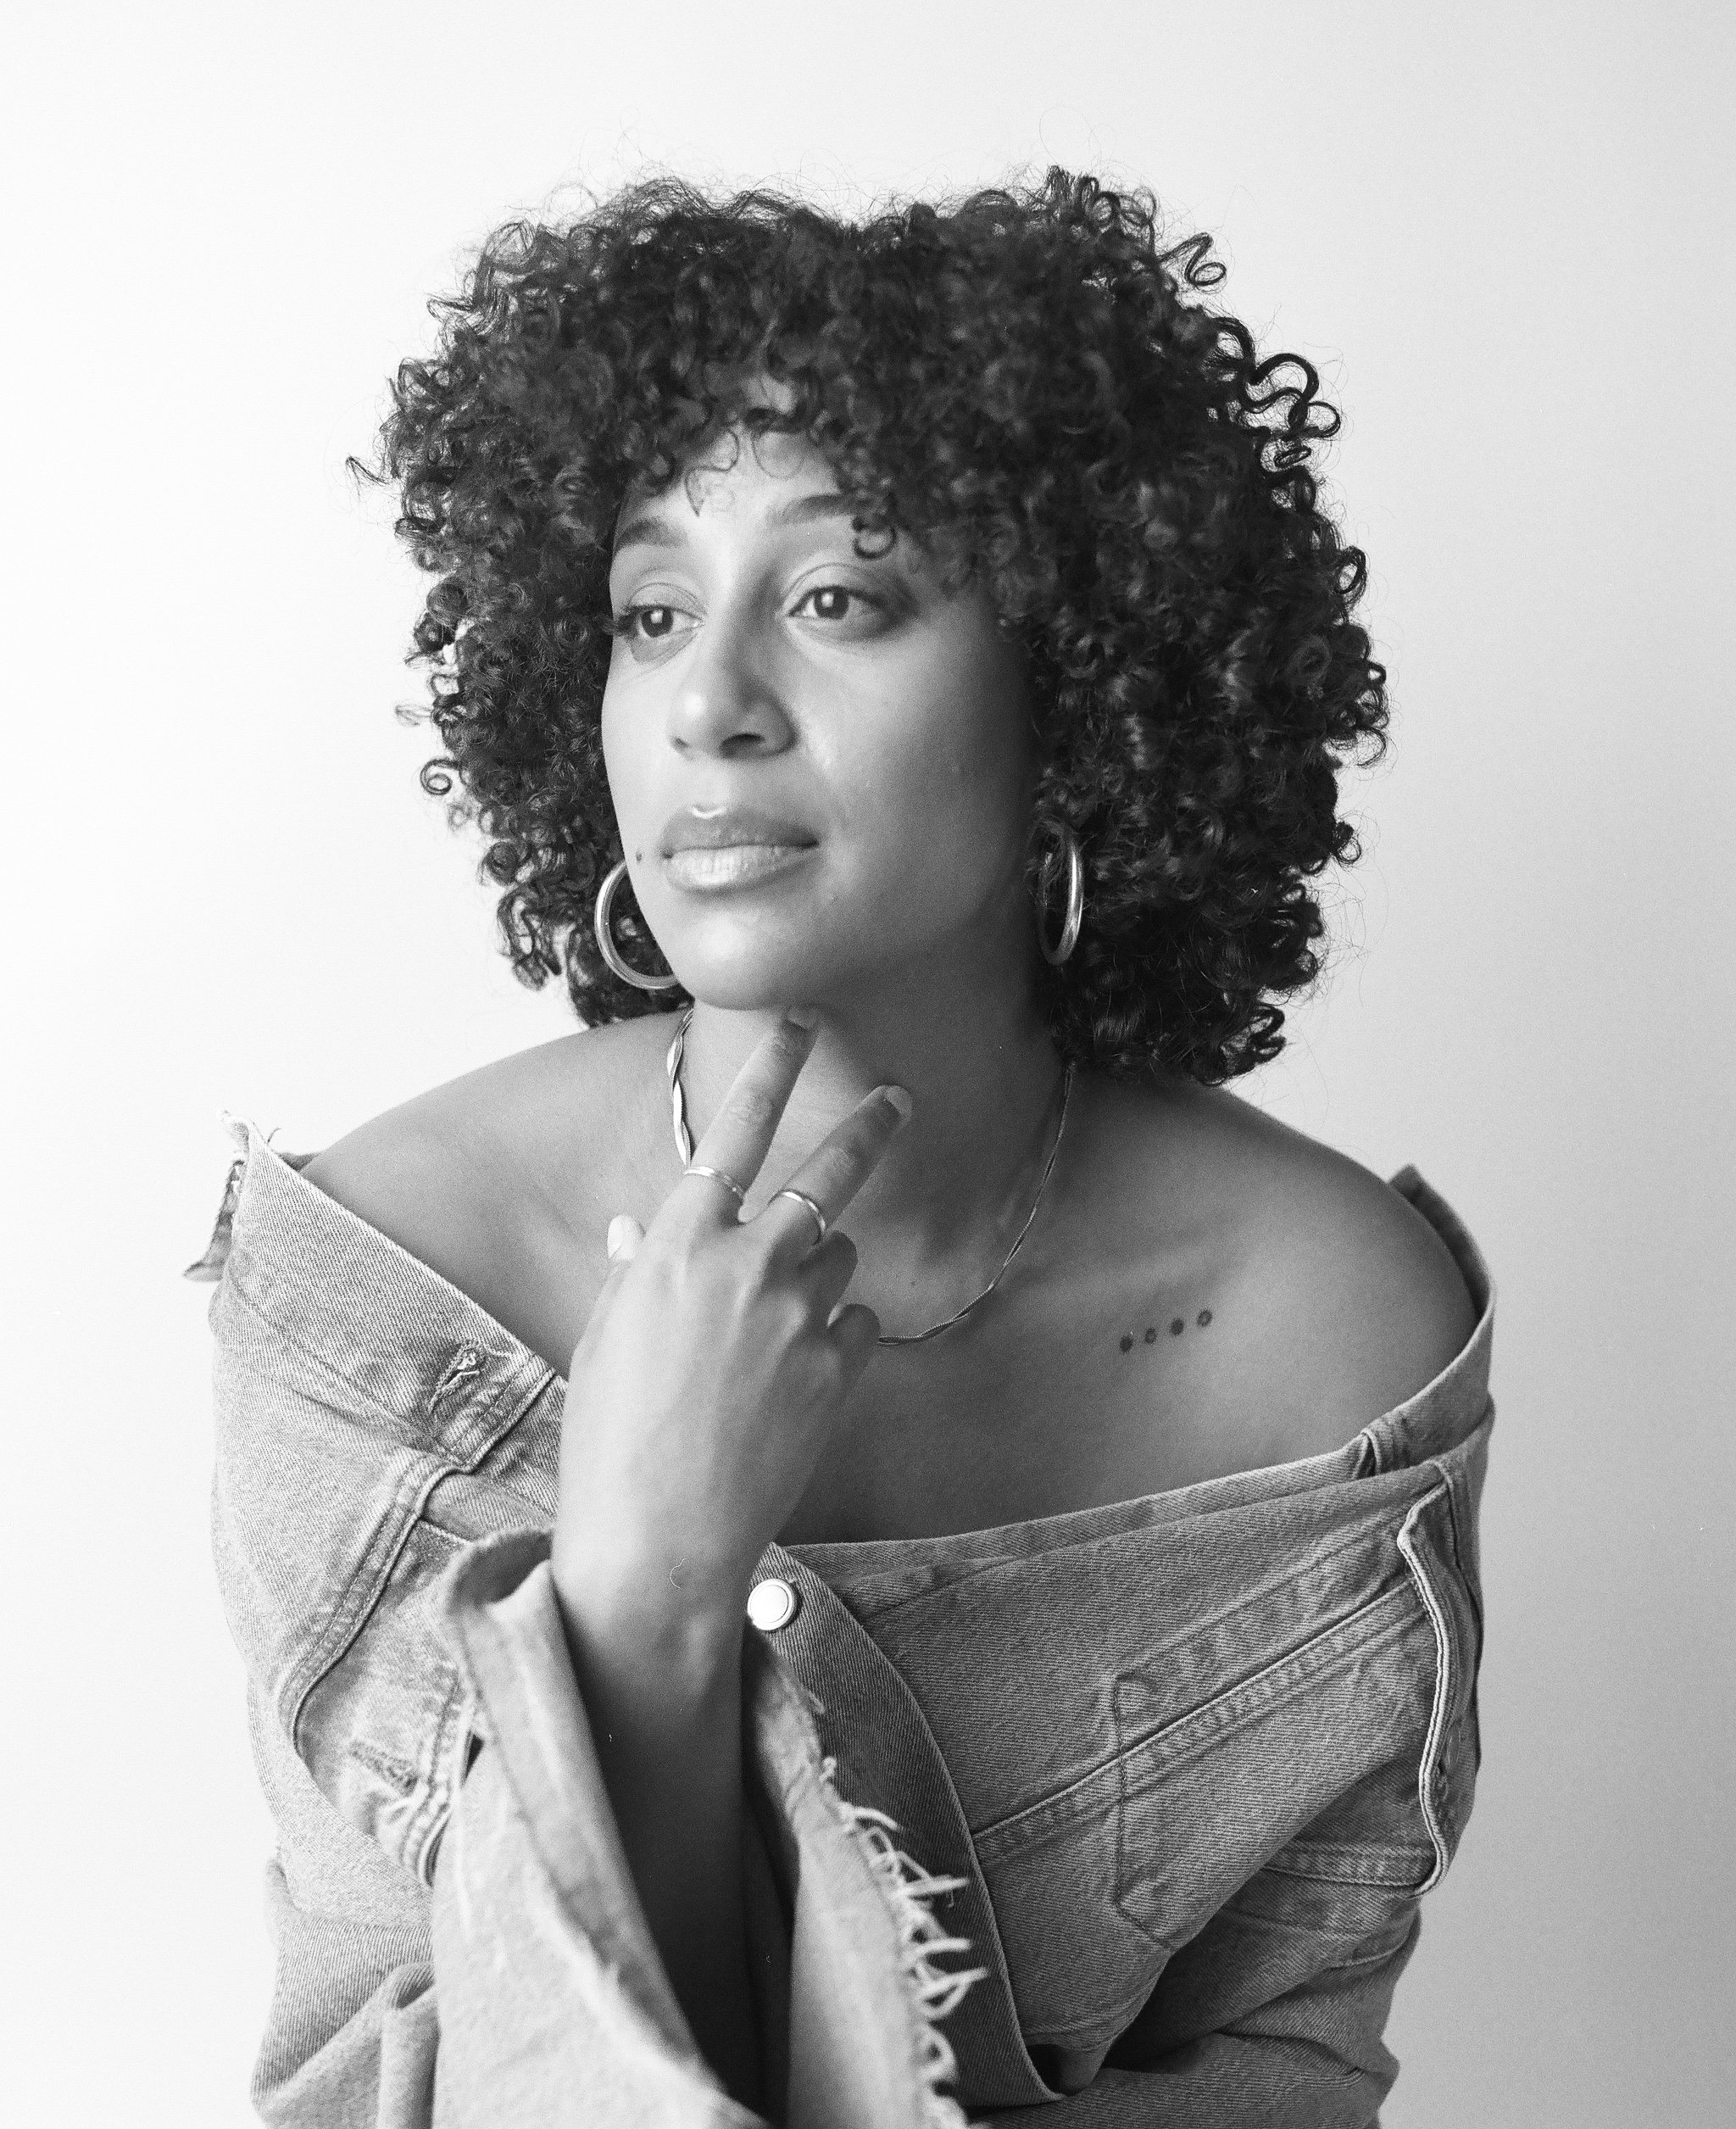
(957, 1184)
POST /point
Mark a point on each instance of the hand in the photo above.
(716, 1361)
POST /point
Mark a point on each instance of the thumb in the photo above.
(625, 1236)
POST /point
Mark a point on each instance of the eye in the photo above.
(651, 624)
(835, 602)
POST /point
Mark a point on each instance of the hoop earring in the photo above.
(1055, 954)
(607, 947)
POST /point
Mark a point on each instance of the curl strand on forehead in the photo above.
(757, 424)
(1034, 384)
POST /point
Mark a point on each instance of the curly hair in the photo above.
(1028, 383)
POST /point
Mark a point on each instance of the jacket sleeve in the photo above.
(459, 1943)
(351, 1480)
(352, 2031)
(523, 1986)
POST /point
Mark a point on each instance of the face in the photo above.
(822, 768)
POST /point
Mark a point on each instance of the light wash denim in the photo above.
(1111, 1818)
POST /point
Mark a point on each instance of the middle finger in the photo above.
(837, 1168)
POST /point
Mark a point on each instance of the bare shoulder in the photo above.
(1334, 1299)
(503, 1179)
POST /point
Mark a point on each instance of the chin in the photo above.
(767, 960)
(724, 994)
(760, 976)
(753, 979)
(751, 983)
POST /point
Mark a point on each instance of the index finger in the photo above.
(739, 1136)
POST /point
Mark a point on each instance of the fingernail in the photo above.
(897, 1101)
(804, 1016)
(617, 1232)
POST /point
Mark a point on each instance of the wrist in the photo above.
(651, 1610)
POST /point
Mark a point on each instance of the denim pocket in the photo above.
(1347, 1761)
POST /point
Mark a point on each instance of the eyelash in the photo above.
(625, 619)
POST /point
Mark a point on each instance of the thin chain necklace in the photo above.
(684, 1147)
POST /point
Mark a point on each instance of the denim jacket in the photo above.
(1120, 1816)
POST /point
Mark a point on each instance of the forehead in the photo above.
(774, 478)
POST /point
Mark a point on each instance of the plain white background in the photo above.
(1502, 232)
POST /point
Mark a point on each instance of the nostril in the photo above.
(725, 695)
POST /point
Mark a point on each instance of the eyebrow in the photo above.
(647, 530)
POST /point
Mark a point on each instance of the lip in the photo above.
(718, 868)
(707, 851)
(687, 830)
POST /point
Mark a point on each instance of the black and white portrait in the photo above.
(871, 1041)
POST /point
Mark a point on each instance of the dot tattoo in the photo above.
(1177, 1325)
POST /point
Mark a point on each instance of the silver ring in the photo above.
(717, 1175)
(802, 1198)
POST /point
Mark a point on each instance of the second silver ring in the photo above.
(802, 1198)
(717, 1175)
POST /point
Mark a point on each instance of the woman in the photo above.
(1021, 1651)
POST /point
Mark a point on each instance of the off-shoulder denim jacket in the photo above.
(1115, 1817)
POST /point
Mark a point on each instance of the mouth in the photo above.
(720, 848)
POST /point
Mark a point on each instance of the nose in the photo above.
(728, 701)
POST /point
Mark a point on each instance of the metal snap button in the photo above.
(773, 1603)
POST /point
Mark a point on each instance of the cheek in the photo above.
(941, 796)
(624, 764)
(977, 750)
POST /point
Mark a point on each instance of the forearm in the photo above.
(661, 1684)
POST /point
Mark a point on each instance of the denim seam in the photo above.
(440, 1783)
(490, 1417)
(1372, 1521)
(1369, 1519)
(361, 1595)
(400, 1774)
(1399, 1938)
(1443, 1687)
(1395, 1923)
(499, 1481)
(1405, 1859)
(1121, 1884)
(1461, 1561)
(333, 1628)
(433, 1794)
